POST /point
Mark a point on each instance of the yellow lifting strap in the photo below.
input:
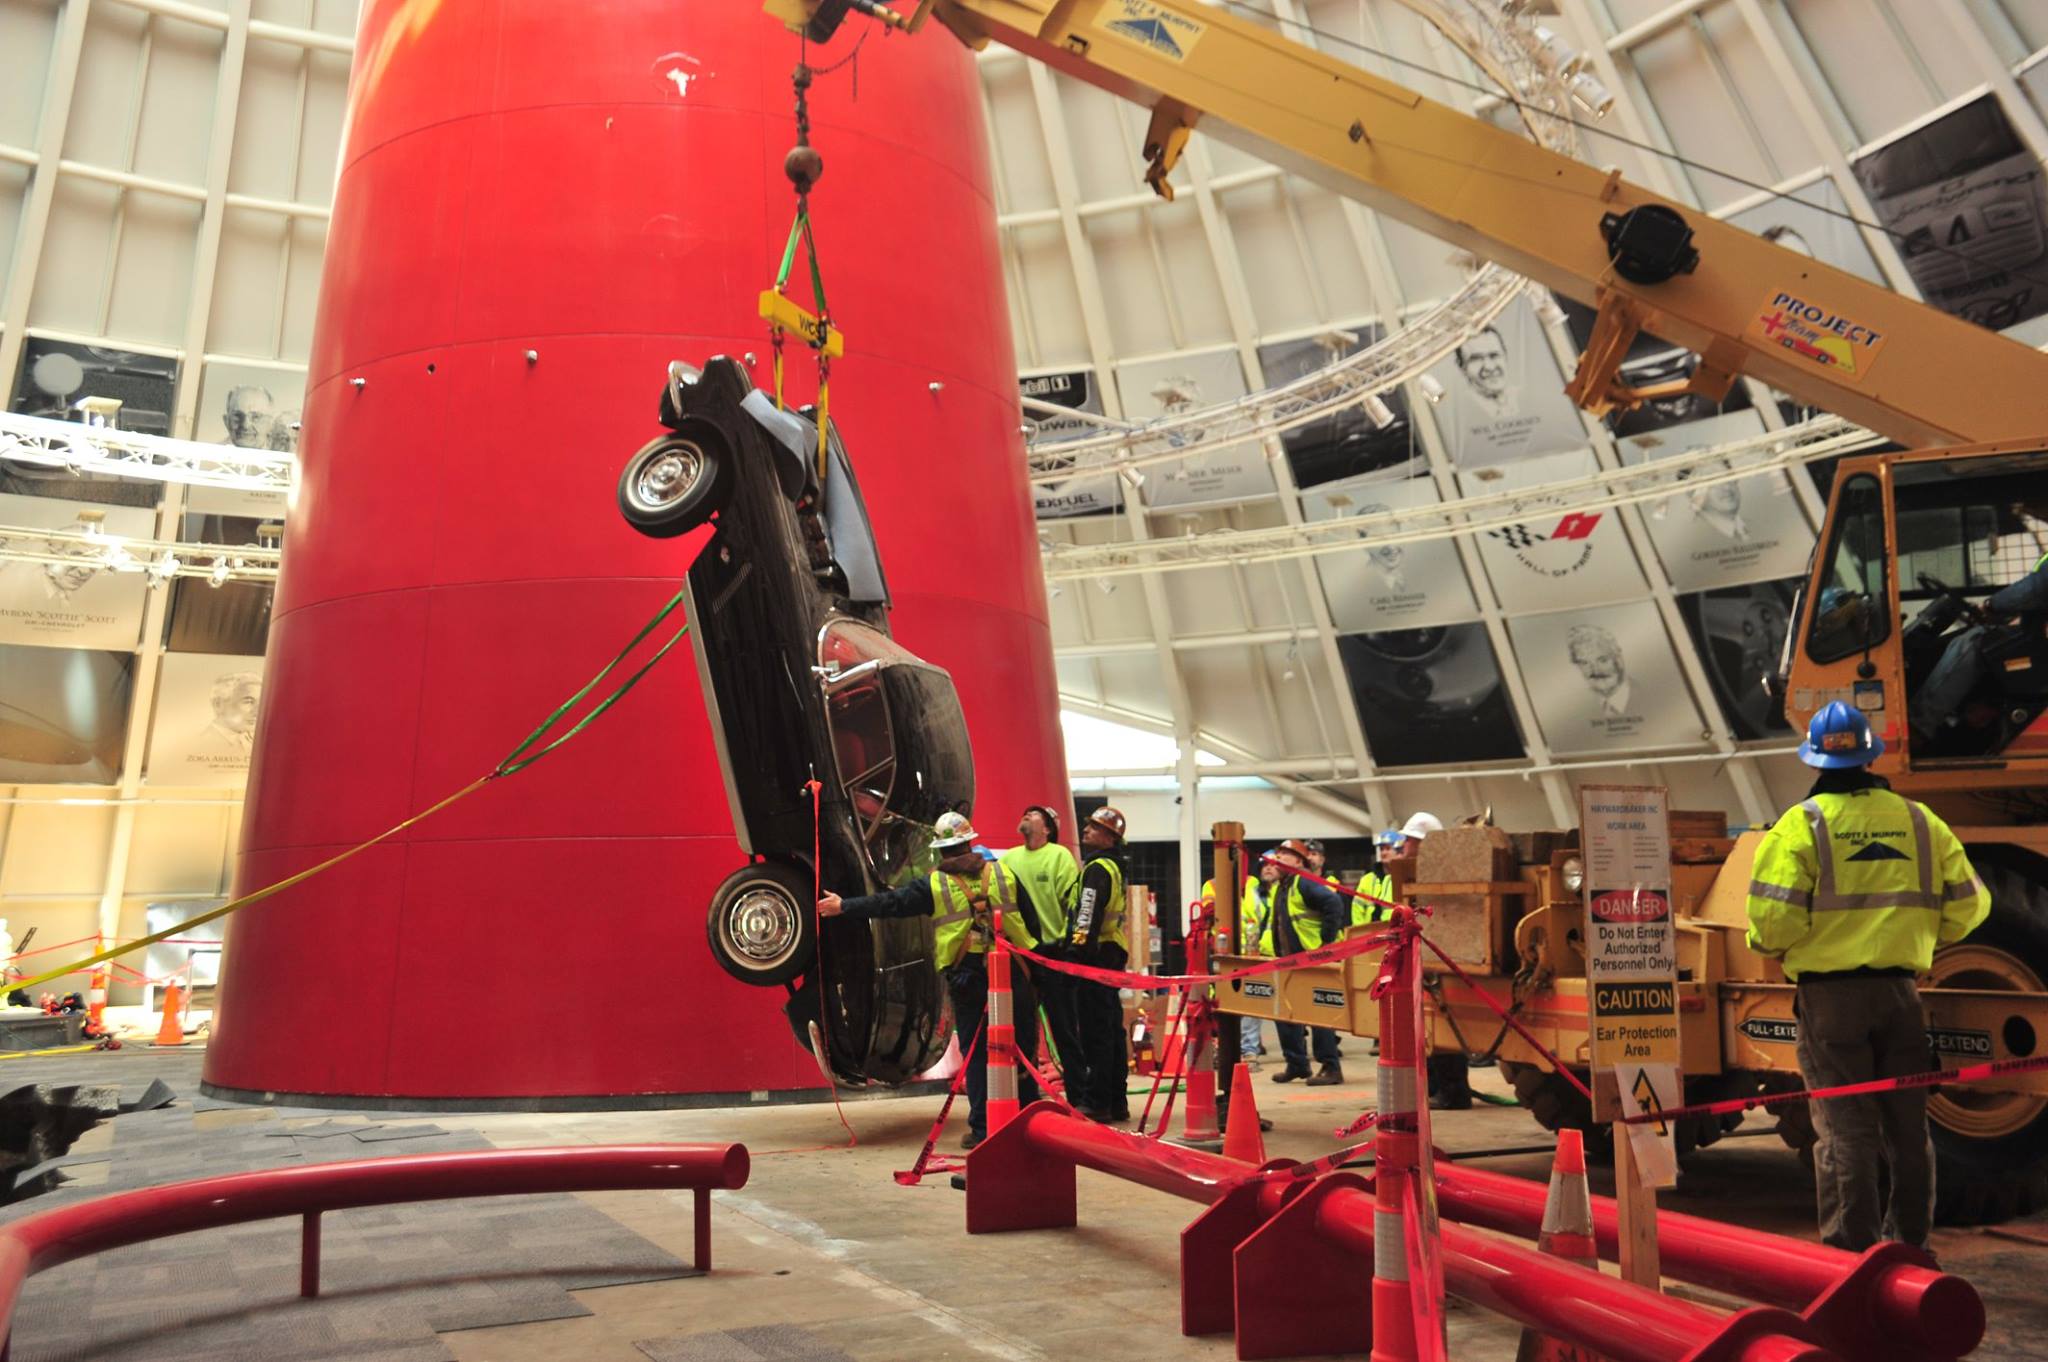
(786, 317)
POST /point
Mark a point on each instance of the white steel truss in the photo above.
(106, 451)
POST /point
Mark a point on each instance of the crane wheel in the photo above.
(1991, 1148)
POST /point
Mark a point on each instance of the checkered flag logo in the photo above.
(1517, 536)
(1577, 525)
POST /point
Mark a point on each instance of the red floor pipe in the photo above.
(37, 1243)
(1939, 1312)
(1595, 1312)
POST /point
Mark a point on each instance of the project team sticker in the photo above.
(1818, 334)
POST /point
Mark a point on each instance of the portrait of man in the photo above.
(248, 416)
(1718, 506)
(1597, 655)
(1386, 558)
(61, 582)
(284, 433)
(235, 697)
(1483, 360)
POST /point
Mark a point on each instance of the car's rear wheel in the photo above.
(676, 482)
(763, 927)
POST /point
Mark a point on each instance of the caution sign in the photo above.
(1632, 964)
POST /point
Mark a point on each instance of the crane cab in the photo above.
(1914, 546)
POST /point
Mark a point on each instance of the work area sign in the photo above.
(1632, 957)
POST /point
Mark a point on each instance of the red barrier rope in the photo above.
(1520, 1030)
(927, 1162)
(1321, 955)
(818, 938)
(1975, 1073)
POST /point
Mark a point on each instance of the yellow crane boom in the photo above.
(1746, 305)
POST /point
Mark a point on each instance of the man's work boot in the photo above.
(1290, 1075)
(1329, 1077)
(971, 1139)
(1451, 1101)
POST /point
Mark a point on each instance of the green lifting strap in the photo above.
(801, 230)
(521, 757)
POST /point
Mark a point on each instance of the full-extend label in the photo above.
(1327, 997)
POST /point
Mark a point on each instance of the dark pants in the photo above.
(1851, 1031)
(967, 986)
(1942, 694)
(1295, 1040)
(1105, 1053)
(1450, 1078)
(1057, 995)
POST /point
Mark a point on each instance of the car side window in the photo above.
(1853, 611)
(864, 747)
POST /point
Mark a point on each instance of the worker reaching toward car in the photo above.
(963, 896)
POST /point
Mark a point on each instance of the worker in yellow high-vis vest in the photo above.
(1095, 936)
(1852, 890)
(1299, 915)
(1250, 929)
(962, 897)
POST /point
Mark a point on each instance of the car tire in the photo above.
(763, 925)
(676, 481)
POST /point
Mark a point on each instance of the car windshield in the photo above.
(900, 741)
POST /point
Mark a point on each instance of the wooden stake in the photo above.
(1636, 1203)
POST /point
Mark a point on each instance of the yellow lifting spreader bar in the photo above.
(791, 318)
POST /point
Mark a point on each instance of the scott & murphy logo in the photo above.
(1159, 31)
(1817, 334)
(1563, 550)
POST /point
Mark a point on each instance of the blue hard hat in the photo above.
(1390, 838)
(1839, 736)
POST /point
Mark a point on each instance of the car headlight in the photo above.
(1574, 872)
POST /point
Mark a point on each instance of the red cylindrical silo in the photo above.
(599, 184)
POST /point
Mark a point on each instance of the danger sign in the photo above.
(1631, 943)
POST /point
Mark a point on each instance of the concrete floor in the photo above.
(824, 1255)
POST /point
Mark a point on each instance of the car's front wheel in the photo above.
(763, 926)
(676, 482)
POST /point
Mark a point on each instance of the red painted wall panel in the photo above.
(525, 175)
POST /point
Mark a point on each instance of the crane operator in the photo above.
(1962, 667)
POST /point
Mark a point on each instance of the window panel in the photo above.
(26, 34)
(266, 152)
(1278, 278)
(1867, 69)
(1022, 170)
(1700, 114)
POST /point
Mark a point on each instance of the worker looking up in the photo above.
(1248, 935)
(1095, 936)
(963, 896)
(1852, 889)
(1962, 667)
(1378, 882)
(1051, 879)
(1299, 915)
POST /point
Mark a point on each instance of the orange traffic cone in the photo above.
(1568, 1233)
(1241, 1138)
(172, 1032)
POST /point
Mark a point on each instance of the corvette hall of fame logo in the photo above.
(1564, 549)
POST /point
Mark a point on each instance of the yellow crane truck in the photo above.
(1903, 552)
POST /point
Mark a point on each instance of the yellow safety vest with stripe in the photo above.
(1380, 886)
(1307, 923)
(1084, 913)
(1248, 924)
(1865, 879)
(961, 907)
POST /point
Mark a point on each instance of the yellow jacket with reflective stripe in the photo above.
(1861, 880)
(1248, 936)
(961, 907)
(1306, 922)
(1380, 886)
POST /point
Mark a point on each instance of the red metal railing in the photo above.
(40, 1242)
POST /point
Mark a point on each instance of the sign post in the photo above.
(1632, 999)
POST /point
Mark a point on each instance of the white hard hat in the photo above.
(952, 832)
(1421, 825)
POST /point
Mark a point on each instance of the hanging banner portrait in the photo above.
(205, 724)
(63, 715)
(1605, 680)
(1650, 362)
(1815, 222)
(1430, 697)
(78, 603)
(1740, 633)
(1964, 199)
(1084, 493)
(1169, 387)
(250, 407)
(55, 375)
(1349, 442)
(1553, 556)
(1390, 586)
(230, 617)
(1725, 533)
(1503, 395)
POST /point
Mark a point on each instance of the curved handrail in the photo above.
(39, 1242)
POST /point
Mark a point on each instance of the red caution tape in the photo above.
(926, 1161)
(1366, 1121)
(1974, 1073)
(1321, 955)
